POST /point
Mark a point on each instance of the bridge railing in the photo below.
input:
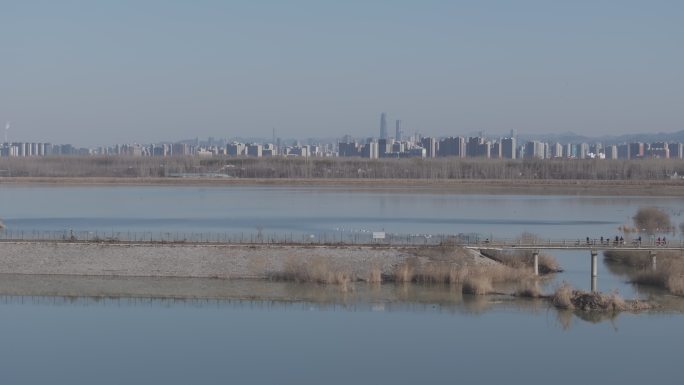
(259, 237)
(325, 237)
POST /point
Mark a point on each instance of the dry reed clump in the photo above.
(566, 297)
(675, 282)
(650, 278)
(524, 259)
(501, 273)
(529, 290)
(562, 297)
(440, 272)
(450, 273)
(478, 285)
(316, 270)
(374, 275)
(631, 258)
(669, 272)
(669, 275)
(404, 273)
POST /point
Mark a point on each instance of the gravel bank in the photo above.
(204, 261)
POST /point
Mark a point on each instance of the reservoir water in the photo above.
(316, 210)
(287, 333)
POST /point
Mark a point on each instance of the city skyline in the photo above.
(140, 71)
(382, 146)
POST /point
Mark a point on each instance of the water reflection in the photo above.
(280, 296)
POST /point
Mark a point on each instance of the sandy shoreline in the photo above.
(461, 186)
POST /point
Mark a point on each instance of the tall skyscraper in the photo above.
(383, 126)
(399, 133)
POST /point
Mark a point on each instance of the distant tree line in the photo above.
(279, 167)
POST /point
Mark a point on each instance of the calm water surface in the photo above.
(300, 343)
(416, 338)
(316, 210)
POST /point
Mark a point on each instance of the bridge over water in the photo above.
(592, 245)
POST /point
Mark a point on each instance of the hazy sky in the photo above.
(99, 72)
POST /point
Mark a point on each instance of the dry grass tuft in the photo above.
(675, 282)
(439, 272)
(375, 275)
(529, 290)
(478, 285)
(562, 297)
(316, 270)
(403, 273)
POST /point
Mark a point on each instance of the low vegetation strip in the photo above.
(447, 168)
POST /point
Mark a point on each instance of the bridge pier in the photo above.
(594, 270)
(653, 259)
(536, 262)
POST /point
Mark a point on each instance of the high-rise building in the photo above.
(398, 131)
(623, 151)
(508, 146)
(583, 150)
(347, 149)
(430, 146)
(495, 150)
(478, 147)
(235, 149)
(452, 147)
(384, 147)
(255, 150)
(658, 150)
(676, 150)
(636, 150)
(383, 126)
(534, 150)
(370, 150)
